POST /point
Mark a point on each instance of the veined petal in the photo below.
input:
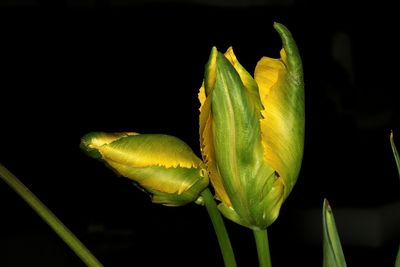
(281, 88)
(249, 83)
(210, 74)
(266, 74)
(170, 186)
(159, 178)
(160, 164)
(206, 136)
(237, 142)
(202, 95)
(143, 150)
(91, 141)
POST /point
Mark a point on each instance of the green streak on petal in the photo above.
(237, 142)
(182, 183)
(282, 94)
(92, 141)
(293, 60)
(145, 150)
(160, 164)
(206, 135)
(209, 79)
(249, 83)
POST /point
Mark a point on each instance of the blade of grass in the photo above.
(397, 159)
(333, 253)
(63, 232)
(395, 153)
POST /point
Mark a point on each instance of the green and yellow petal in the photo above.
(237, 143)
(144, 150)
(206, 136)
(252, 132)
(280, 82)
(161, 164)
(249, 83)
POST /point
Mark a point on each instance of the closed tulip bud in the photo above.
(162, 165)
(252, 132)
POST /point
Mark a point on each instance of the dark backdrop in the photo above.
(68, 70)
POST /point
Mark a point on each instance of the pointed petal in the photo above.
(169, 186)
(333, 253)
(160, 164)
(91, 141)
(282, 95)
(231, 214)
(291, 57)
(206, 136)
(237, 141)
(210, 74)
(271, 202)
(249, 83)
(144, 150)
(266, 74)
(202, 95)
(159, 178)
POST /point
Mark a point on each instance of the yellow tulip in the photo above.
(252, 131)
(162, 165)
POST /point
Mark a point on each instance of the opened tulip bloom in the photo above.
(252, 132)
(162, 165)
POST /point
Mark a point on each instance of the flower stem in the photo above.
(219, 227)
(65, 234)
(264, 258)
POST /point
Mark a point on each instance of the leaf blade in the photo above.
(332, 250)
(395, 153)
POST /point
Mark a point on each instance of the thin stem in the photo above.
(64, 233)
(264, 258)
(219, 227)
(395, 153)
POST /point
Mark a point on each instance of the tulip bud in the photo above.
(162, 165)
(252, 132)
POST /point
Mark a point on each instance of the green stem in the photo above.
(395, 153)
(219, 227)
(64, 233)
(264, 258)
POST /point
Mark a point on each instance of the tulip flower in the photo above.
(165, 167)
(162, 165)
(252, 132)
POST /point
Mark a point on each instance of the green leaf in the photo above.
(333, 253)
(395, 154)
(396, 157)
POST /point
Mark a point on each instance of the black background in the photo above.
(68, 70)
